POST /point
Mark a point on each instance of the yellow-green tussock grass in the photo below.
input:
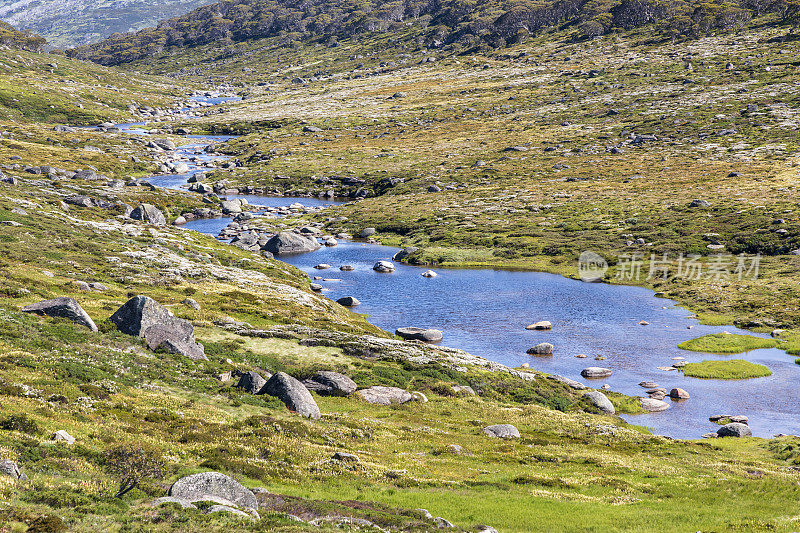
(725, 343)
(733, 369)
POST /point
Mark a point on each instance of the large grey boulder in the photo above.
(196, 487)
(383, 267)
(327, 383)
(543, 348)
(348, 301)
(293, 394)
(502, 431)
(384, 395)
(420, 334)
(150, 214)
(653, 405)
(601, 401)
(595, 372)
(138, 314)
(251, 382)
(10, 468)
(62, 307)
(289, 242)
(735, 429)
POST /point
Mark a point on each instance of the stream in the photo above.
(485, 311)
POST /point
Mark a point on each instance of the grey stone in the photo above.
(189, 302)
(368, 232)
(568, 382)
(595, 372)
(138, 314)
(441, 523)
(679, 394)
(543, 348)
(62, 307)
(171, 499)
(293, 394)
(600, 401)
(196, 487)
(288, 242)
(502, 431)
(251, 382)
(62, 435)
(384, 395)
(383, 266)
(653, 405)
(420, 334)
(10, 468)
(150, 214)
(700, 203)
(405, 252)
(231, 510)
(327, 383)
(346, 457)
(735, 429)
(175, 336)
(348, 301)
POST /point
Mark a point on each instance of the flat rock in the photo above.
(568, 382)
(384, 395)
(502, 431)
(543, 325)
(171, 499)
(601, 401)
(419, 334)
(62, 435)
(196, 487)
(293, 394)
(653, 405)
(62, 307)
(229, 509)
(596, 372)
(327, 383)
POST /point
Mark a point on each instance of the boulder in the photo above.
(347, 268)
(601, 401)
(189, 302)
(700, 203)
(231, 207)
(288, 242)
(420, 334)
(231, 510)
(10, 468)
(197, 487)
(429, 274)
(251, 382)
(543, 348)
(441, 523)
(383, 266)
(502, 431)
(652, 405)
(62, 435)
(384, 395)
(185, 504)
(571, 383)
(345, 457)
(596, 372)
(64, 308)
(368, 232)
(326, 383)
(138, 314)
(543, 325)
(150, 214)
(679, 394)
(405, 252)
(734, 429)
(293, 394)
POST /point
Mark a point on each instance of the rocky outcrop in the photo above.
(211, 485)
(326, 383)
(62, 307)
(385, 395)
(293, 394)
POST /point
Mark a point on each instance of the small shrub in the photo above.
(133, 463)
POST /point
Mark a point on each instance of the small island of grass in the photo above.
(733, 369)
(726, 343)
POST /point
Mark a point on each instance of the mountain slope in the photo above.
(75, 22)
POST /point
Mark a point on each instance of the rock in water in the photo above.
(10, 468)
(348, 301)
(429, 274)
(595, 372)
(251, 382)
(289, 242)
(405, 252)
(196, 487)
(384, 395)
(543, 325)
(420, 334)
(600, 401)
(292, 393)
(327, 383)
(653, 405)
(735, 429)
(502, 431)
(64, 308)
(544, 348)
(149, 213)
(679, 394)
(383, 266)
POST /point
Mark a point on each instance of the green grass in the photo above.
(724, 343)
(732, 369)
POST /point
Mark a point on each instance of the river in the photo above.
(485, 311)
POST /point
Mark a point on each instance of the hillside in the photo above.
(74, 22)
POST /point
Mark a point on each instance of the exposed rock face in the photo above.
(289, 242)
(327, 383)
(384, 395)
(251, 382)
(735, 429)
(292, 393)
(197, 487)
(144, 317)
(150, 214)
(502, 431)
(600, 401)
(420, 334)
(543, 348)
(64, 308)
(595, 372)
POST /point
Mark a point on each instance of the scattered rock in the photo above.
(429, 274)
(735, 429)
(502, 431)
(198, 487)
(185, 504)
(601, 401)
(384, 395)
(251, 382)
(383, 266)
(62, 435)
(348, 301)
(420, 334)
(10, 468)
(543, 325)
(653, 405)
(326, 383)
(189, 302)
(289, 242)
(419, 397)
(368, 232)
(678, 394)
(150, 214)
(568, 382)
(64, 308)
(441, 523)
(346, 457)
(231, 510)
(700, 203)
(596, 372)
(543, 348)
(293, 394)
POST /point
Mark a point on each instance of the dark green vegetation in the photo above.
(456, 25)
(732, 369)
(726, 343)
(10, 36)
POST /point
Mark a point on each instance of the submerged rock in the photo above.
(543, 348)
